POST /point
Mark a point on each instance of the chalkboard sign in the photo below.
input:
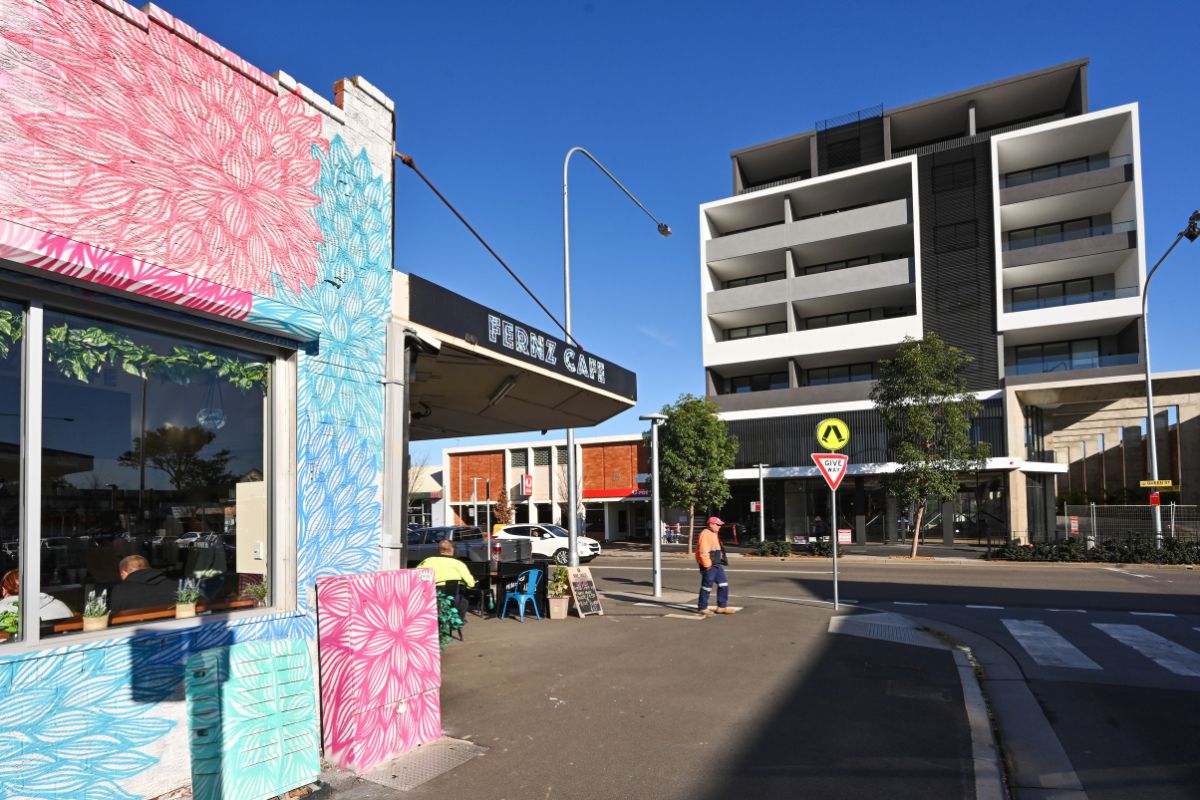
(583, 589)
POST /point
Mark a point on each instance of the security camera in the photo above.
(423, 342)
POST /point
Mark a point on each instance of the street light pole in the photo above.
(762, 505)
(572, 487)
(1191, 233)
(475, 501)
(656, 512)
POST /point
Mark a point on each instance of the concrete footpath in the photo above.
(781, 700)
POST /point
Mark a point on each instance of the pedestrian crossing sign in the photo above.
(833, 433)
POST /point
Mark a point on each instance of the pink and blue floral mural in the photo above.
(141, 159)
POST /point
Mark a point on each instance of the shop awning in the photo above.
(494, 374)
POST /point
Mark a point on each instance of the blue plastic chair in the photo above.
(529, 579)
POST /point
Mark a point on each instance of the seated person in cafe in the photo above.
(141, 586)
(10, 587)
(448, 568)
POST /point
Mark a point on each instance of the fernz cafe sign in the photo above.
(543, 348)
(443, 310)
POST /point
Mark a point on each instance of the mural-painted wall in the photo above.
(138, 155)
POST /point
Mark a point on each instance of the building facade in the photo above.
(207, 361)
(1008, 219)
(613, 475)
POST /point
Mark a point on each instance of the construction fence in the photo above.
(1128, 524)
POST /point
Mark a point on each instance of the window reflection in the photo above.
(152, 467)
(11, 326)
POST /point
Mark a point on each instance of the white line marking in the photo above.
(1151, 614)
(1126, 572)
(1163, 651)
(1068, 610)
(903, 603)
(992, 608)
(1046, 646)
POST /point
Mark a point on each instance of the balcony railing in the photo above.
(1062, 169)
(1070, 299)
(1069, 363)
(1054, 237)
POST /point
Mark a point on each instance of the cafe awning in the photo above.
(494, 374)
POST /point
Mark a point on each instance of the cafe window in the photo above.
(12, 320)
(154, 475)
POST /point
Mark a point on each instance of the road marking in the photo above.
(1068, 610)
(904, 603)
(1163, 651)
(1151, 614)
(1127, 572)
(992, 608)
(1046, 646)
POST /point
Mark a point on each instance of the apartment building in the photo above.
(1008, 219)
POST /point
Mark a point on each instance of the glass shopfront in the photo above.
(153, 476)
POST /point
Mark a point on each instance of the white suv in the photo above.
(550, 542)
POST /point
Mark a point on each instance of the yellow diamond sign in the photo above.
(833, 433)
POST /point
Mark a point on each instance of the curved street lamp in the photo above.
(665, 230)
(1191, 233)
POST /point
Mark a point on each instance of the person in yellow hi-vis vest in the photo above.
(711, 558)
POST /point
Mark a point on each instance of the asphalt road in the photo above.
(1111, 653)
(651, 702)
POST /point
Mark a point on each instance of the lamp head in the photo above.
(664, 229)
(1192, 231)
(657, 419)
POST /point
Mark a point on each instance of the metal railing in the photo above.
(1098, 525)
(1069, 363)
(1069, 236)
(1051, 171)
(1074, 298)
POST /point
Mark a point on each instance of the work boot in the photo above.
(705, 612)
(726, 611)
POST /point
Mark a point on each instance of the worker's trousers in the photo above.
(714, 574)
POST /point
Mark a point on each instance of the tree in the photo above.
(502, 512)
(927, 412)
(694, 450)
(175, 451)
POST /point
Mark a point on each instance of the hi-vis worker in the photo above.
(712, 570)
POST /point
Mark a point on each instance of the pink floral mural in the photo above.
(142, 143)
(380, 665)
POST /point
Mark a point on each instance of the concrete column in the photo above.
(860, 510)
(971, 119)
(609, 525)
(1018, 507)
(1189, 450)
(787, 209)
(812, 154)
(796, 520)
(891, 531)
(887, 138)
(948, 508)
(1049, 506)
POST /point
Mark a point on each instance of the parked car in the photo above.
(550, 542)
(469, 545)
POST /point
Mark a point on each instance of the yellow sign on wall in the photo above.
(833, 433)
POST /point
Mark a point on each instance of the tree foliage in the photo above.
(695, 449)
(502, 511)
(927, 412)
(176, 451)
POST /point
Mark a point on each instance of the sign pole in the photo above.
(834, 538)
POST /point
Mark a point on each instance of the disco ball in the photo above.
(211, 419)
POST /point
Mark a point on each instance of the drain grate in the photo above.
(419, 766)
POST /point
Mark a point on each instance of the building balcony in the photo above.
(1104, 306)
(1085, 241)
(862, 280)
(1066, 178)
(1057, 366)
(842, 339)
(777, 237)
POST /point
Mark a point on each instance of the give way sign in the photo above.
(832, 466)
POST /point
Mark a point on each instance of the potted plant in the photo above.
(185, 598)
(258, 592)
(10, 622)
(559, 592)
(95, 611)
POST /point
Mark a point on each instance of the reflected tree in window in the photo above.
(176, 451)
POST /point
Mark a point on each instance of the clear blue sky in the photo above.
(491, 95)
